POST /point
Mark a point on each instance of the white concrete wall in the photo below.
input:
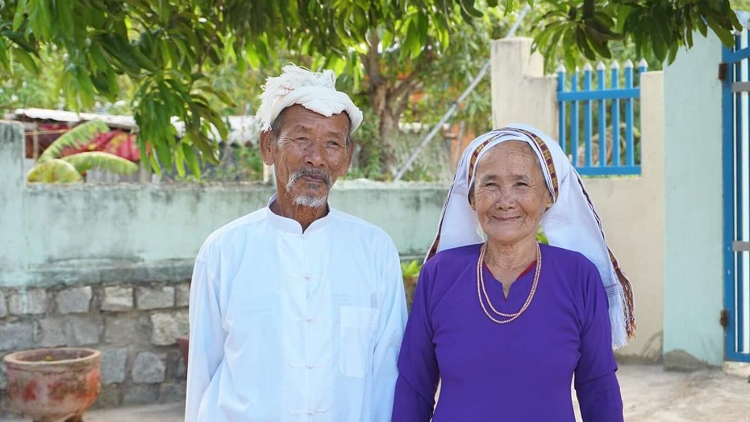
(694, 224)
(631, 208)
(50, 229)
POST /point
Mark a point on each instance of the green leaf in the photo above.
(724, 34)
(19, 17)
(192, 160)
(54, 171)
(74, 138)
(85, 161)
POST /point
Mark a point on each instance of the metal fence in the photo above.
(614, 148)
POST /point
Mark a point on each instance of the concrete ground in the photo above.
(649, 395)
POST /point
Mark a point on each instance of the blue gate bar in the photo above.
(622, 93)
(587, 116)
(615, 83)
(602, 117)
(561, 122)
(574, 121)
(629, 115)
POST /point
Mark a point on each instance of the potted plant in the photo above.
(410, 273)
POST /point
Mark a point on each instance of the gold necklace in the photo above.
(482, 290)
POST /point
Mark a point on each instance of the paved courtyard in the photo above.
(649, 395)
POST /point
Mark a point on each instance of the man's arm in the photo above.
(206, 332)
(389, 335)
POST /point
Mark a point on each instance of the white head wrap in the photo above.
(570, 223)
(314, 91)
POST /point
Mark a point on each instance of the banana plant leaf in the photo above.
(54, 171)
(85, 161)
(74, 138)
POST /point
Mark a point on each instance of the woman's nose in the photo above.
(505, 200)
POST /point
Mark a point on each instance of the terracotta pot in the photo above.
(50, 385)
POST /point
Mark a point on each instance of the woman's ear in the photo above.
(472, 204)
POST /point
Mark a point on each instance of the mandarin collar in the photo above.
(292, 226)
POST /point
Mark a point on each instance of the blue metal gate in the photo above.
(736, 121)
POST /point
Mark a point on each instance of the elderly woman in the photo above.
(503, 322)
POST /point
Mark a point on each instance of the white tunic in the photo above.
(292, 326)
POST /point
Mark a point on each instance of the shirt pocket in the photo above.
(355, 339)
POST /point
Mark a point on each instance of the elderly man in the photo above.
(297, 310)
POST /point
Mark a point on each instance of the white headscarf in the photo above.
(571, 223)
(314, 91)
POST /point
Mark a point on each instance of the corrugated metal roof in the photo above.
(241, 128)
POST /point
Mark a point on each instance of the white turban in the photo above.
(316, 91)
(570, 223)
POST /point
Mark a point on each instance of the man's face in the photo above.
(309, 152)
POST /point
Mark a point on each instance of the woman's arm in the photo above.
(596, 384)
(417, 365)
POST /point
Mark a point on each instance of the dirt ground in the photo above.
(649, 394)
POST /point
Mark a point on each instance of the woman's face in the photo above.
(510, 193)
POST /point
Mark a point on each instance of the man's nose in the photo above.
(314, 154)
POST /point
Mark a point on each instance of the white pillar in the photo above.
(520, 91)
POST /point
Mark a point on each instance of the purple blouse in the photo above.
(520, 371)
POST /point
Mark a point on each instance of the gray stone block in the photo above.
(154, 297)
(3, 376)
(166, 327)
(74, 300)
(113, 365)
(27, 302)
(148, 368)
(182, 293)
(117, 299)
(3, 306)
(125, 330)
(16, 336)
(141, 394)
(171, 392)
(109, 396)
(83, 331)
(51, 332)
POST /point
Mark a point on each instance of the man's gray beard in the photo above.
(309, 200)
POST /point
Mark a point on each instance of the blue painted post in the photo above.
(587, 116)
(629, 116)
(739, 76)
(574, 120)
(615, 84)
(602, 117)
(730, 345)
(561, 123)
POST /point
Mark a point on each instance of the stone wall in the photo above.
(134, 323)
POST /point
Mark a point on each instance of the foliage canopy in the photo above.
(167, 50)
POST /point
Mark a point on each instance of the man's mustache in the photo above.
(312, 172)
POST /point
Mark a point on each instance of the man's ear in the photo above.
(266, 147)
